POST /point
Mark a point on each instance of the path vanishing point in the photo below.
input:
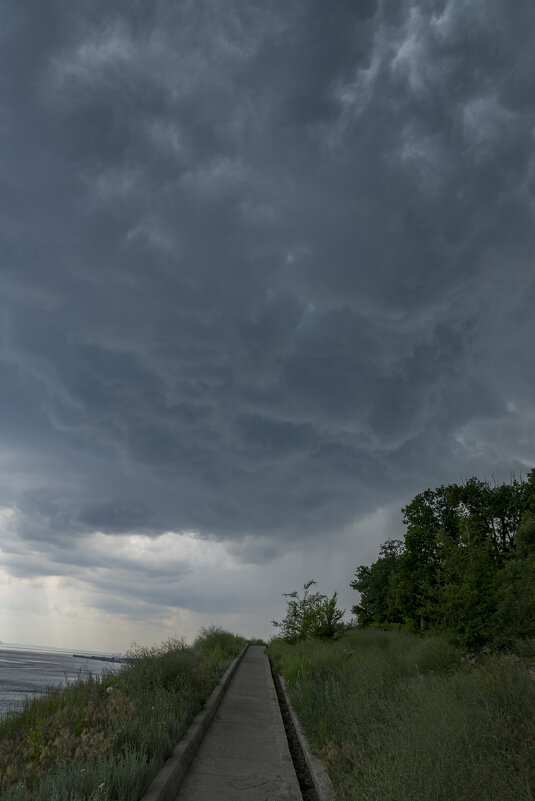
(244, 754)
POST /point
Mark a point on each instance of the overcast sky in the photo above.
(266, 272)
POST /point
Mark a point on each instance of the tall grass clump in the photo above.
(104, 739)
(397, 717)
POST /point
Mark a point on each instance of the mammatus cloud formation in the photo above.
(266, 272)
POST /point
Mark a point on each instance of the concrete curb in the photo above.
(318, 774)
(167, 781)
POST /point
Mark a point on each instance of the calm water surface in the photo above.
(26, 673)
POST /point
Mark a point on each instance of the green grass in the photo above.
(104, 739)
(397, 717)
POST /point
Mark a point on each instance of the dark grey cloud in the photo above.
(264, 268)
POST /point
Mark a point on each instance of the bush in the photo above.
(313, 615)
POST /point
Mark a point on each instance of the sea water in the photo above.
(25, 673)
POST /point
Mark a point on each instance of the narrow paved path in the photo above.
(244, 754)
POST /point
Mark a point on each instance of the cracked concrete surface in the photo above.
(244, 754)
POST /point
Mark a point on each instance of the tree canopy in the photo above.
(465, 564)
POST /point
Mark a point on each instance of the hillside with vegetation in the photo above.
(104, 739)
(429, 693)
(396, 716)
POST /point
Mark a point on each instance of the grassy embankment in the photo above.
(397, 717)
(105, 739)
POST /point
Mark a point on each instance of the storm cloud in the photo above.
(265, 269)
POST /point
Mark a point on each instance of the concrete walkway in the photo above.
(244, 754)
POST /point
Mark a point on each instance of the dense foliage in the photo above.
(312, 615)
(105, 739)
(466, 565)
(399, 717)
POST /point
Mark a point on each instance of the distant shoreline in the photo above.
(103, 658)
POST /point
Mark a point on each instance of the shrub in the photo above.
(313, 615)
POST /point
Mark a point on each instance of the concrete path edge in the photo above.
(318, 774)
(167, 781)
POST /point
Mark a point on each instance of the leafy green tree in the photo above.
(312, 615)
(431, 517)
(525, 537)
(516, 610)
(496, 510)
(470, 588)
(467, 564)
(373, 583)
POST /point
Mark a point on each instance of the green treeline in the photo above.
(466, 565)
